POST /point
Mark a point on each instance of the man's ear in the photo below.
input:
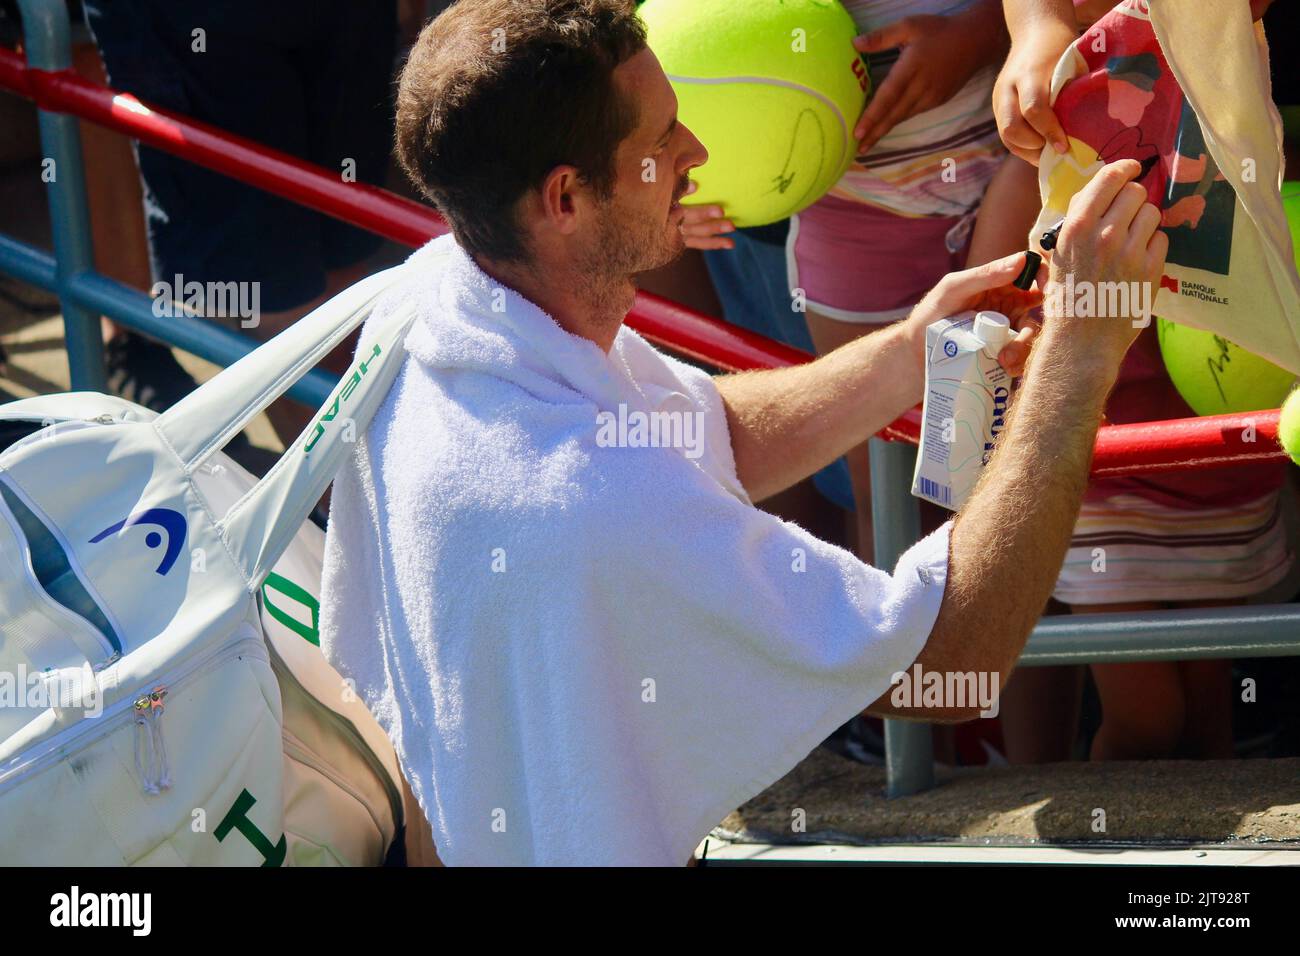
(561, 197)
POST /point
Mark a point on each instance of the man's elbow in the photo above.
(944, 688)
(962, 652)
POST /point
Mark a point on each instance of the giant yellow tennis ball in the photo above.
(1291, 206)
(1288, 426)
(1216, 376)
(772, 88)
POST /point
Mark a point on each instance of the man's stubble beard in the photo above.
(624, 245)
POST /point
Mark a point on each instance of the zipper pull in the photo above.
(150, 749)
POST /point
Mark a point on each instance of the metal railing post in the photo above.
(896, 526)
(48, 41)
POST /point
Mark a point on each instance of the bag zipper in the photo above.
(129, 708)
(105, 652)
(346, 728)
(150, 751)
(112, 647)
(116, 640)
(108, 652)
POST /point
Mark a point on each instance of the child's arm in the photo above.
(938, 56)
(1040, 31)
(1025, 15)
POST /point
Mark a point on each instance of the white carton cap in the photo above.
(993, 329)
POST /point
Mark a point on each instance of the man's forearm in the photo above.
(1008, 543)
(787, 423)
(1014, 532)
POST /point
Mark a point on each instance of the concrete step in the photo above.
(1080, 808)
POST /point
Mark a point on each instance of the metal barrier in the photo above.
(62, 97)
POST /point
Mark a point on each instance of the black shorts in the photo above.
(309, 77)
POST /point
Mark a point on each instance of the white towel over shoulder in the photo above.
(586, 650)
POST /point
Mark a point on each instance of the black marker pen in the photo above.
(1033, 260)
(1048, 239)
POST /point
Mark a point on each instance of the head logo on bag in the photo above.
(342, 395)
(173, 522)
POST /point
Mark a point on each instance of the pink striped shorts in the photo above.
(858, 263)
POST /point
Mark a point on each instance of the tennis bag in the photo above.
(163, 699)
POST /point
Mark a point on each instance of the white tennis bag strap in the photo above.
(259, 526)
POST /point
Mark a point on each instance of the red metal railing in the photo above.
(1185, 444)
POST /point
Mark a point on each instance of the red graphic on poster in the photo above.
(1127, 104)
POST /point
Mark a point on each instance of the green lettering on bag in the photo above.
(236, 818)
(290, 590)
(332, 412)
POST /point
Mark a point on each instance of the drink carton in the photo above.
(966, 398)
